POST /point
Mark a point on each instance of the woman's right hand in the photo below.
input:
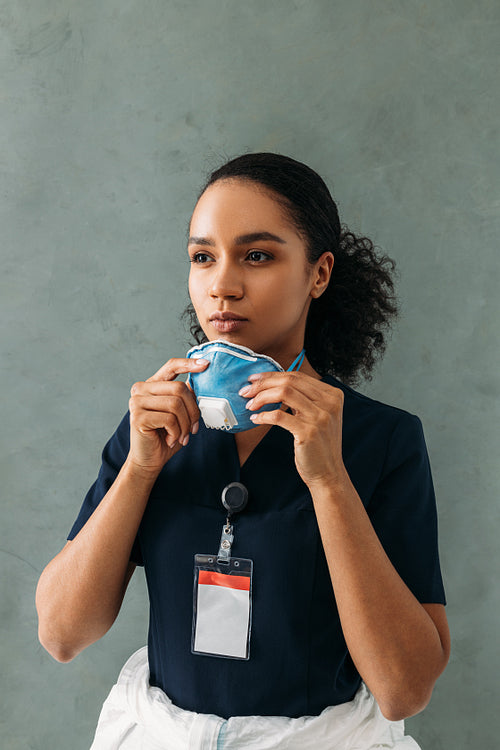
(163, 412)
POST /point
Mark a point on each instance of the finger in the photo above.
(315, 390)
(282, 419)
(302, 429)
(177, 389)
(149, 421)
(288, 395)
(164, 404)
(308, 385)
(176, 366)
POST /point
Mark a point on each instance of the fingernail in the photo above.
(201, 361)
(255, 376)
(171, 445)
(244, 390)
(185, 440)
(195, 427)
(248, 405)
(253, 417)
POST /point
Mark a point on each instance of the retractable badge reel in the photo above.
(222, 596)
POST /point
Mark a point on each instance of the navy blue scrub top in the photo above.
(299, 663)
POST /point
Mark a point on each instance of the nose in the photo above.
(226, 281)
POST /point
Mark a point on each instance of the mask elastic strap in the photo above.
(298, 359)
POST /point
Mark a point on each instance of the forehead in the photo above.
(232, 203)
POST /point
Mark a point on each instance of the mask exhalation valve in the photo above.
(217, 413)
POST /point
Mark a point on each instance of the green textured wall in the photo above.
(111, 114)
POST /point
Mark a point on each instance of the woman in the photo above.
(348, 628)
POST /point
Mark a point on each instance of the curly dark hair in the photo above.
(343, 335)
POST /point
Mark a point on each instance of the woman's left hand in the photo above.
(315, 421)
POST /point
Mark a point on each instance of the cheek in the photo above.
(194, 289)
(284, 295)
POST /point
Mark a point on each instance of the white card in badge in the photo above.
(222, 595)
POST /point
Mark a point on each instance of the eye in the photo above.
(259, 252)
(198, 255)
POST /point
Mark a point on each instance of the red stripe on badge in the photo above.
(211, 578)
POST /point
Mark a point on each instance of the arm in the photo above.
(398, 645)
(81, 590)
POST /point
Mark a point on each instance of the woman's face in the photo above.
(263, 279)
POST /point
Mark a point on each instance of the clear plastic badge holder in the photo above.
(222, 593)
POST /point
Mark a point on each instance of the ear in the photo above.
(323, 272)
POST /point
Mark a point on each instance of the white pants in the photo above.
(136, 716)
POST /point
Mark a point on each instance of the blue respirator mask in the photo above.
(216, 387)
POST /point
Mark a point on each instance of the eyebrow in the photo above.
(243, 239)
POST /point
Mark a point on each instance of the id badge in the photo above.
(222, 606)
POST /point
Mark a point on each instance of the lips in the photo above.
(226, 315)
(228, 325)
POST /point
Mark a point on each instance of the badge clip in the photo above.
(226, 541)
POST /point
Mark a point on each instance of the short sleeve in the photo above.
(113, 457)
(403, 511)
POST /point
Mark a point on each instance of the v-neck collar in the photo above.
(256, 446)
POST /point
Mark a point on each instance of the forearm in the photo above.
(80, 591)
(392, 640)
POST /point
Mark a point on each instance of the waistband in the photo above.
(138, 715)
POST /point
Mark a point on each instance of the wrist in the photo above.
(137, 472)
(331, 485)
